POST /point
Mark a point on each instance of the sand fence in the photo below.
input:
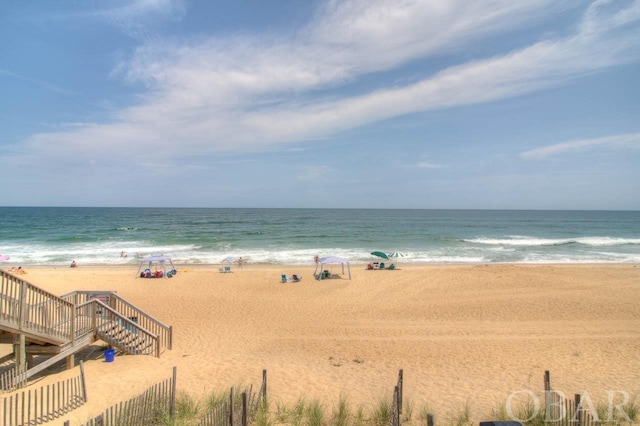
(158, 403)
(151, 407)
(39, 406)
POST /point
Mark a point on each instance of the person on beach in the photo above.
(74, 264)
(316, 259)
(123, 254)
(240, 262)
(18, 270)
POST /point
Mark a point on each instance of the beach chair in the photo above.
(392, 267)
(227, 269)
(381, 265)
(284, 278)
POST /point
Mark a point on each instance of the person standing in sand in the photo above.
(316, 259)
(240, 262)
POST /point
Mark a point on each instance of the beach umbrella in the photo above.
(380, 254)
(3, 257)
(230, 259)
(397, 254)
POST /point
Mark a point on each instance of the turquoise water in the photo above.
(55, 236)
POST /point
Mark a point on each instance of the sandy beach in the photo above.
(463, 334)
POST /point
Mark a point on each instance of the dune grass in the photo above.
(304, 412)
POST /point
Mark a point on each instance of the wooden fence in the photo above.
(560, 411)
(156, 403)
(13, 379)
(397, 401)
(38, 406)
(237, 411)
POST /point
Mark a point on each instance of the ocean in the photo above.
(96, 236)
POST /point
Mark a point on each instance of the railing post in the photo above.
(94, 320)
(264, 385)
(172, 408)
(244, 408)
(73, 325)
(83, 381)
(547, 394)
(400, 379)
(578, 414)
(22, 310)
(231, 411)
(396, 407)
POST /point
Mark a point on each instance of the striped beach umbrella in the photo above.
(396, 254)
(3, 258)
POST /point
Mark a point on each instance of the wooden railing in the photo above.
(25, 307)
(102, 318)
(163, 331)
(128, 310)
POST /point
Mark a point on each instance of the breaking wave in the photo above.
(534, 241)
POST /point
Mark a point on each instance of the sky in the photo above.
(420, 104)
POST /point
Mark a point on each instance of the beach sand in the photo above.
(463, 334)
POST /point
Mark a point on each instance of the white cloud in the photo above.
(371, 35)
(631, 140)
(252, 93)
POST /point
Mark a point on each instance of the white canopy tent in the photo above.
(331, 260)
(160, 260)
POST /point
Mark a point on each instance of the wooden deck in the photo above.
(37, 322)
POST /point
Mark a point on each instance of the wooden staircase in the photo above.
(37, 322)
(125, 339)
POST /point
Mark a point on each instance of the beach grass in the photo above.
(461, 416)
(341, 412)
(407, 410)
(381, 412)
(314, 413)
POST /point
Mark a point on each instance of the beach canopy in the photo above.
(157, 259)
(331, 260)
(3, 257)
(230, 259)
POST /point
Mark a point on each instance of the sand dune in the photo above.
(462, 334)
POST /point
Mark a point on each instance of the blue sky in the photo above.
(337, 104)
